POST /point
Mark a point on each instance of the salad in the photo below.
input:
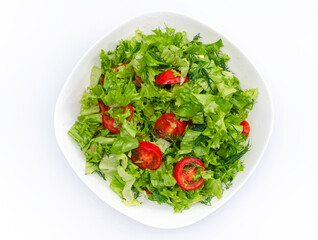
(164, 119)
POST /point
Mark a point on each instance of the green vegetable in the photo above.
(212, 100)
(124, 144)
(95, 75)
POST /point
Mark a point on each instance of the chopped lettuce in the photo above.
(211, 101)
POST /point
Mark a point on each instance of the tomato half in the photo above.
(138, 80)
(147, 155)
(109, 122)
(246, 128)
(166, 126)
(184, 172)
(168, 77)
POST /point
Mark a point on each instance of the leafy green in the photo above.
(211, 101)
(95, 75)
(85, 128)
(188, 141)
(124, 144)
(129, 180)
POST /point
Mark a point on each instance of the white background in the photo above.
(40, 195)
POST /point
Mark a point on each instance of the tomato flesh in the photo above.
(184, 173)
(102, 79)
(138, 80)
(246, 128)
(109, 122)
(102, 107)
(147, 191)
(131, 112)
(168, 77)
(147, 155)
(166, 126)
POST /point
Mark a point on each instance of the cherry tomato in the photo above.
(147, 191)
(131, 111)
(246, 128)
(138, 80)
(166, 126)
(121, 65)
(147, 155)
(184, 172)
(102, 107)
(102, 77)
(109, 122)
(168, 77)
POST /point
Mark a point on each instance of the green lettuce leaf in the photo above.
(124, 144)
(188, 141)
(95, 75)
(128, 179)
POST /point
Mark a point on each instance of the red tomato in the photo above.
(109, 122)
(184, 173)
(168, 77)
(121, 65)
(166, 126)
(147, 191)
(131, 111)
(102, 107)
(147, 155)
(102, 77)
(246, 128)
(138, 80)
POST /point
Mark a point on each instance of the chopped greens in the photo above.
(212, 102)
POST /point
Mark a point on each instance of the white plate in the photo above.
(68, 108)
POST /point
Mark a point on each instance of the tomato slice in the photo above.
(138, 80)
(109, 122)
(184, 172)
(102, 79)
(116, 68)
(166, 126)
(131, 112)
(102, 107)
(147, 191)
(168, 77)
(246, 128)
(147, 155)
